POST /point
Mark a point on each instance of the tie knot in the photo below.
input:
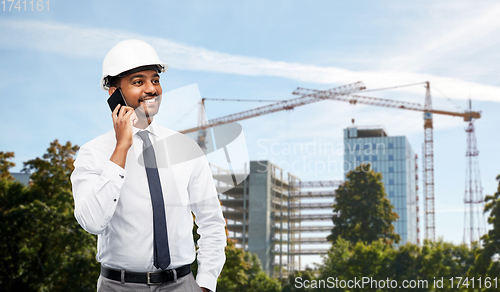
(145, 138)
(144, 135)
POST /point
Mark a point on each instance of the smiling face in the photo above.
(141, 91)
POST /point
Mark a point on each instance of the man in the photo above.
(133, 192)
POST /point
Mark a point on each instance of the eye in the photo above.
(137, 82)
(156, 81)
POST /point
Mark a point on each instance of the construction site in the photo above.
(282, 218)
(269, 215)
(346, 140)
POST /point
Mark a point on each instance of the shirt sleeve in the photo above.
(211, 225)
(96, 190)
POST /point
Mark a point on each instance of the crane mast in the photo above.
(474, 225)
(430, 226)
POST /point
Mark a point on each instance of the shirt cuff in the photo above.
(115, 173)
(207, 281)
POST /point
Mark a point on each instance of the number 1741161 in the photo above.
(32, 5)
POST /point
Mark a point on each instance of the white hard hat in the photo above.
(128, 55)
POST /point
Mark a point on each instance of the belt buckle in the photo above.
(148, 278)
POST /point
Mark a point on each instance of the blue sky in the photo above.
(51, 65)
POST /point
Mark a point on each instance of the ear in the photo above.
(111, 90)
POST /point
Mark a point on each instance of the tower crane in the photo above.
(428, 137)
(267, 109)
(275, 107)
(346, 93)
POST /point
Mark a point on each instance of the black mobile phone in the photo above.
(115, 99)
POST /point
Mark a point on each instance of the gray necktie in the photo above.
(160, 242)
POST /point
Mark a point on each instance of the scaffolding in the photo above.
(264, 215)
(323, 200)
(263, 227)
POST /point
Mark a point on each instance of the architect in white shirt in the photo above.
(114, 189)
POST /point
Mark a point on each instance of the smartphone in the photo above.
(115, 99)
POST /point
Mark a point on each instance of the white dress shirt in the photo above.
(115, 204)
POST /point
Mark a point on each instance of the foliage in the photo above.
(381, 261)
(43, 248)
(347, 262)
(486, 265)
(362, 211)
(5, 164)
(50, 174)
(242, 272)
(292, 282)
(444, 260)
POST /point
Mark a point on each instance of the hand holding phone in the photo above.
(115, 99)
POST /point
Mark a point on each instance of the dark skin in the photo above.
(142, 93)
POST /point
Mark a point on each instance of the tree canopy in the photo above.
(5, 165)
(242, 272)
(362, 211)
(43, 248)
(487, 262)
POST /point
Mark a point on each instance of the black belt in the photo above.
(145, 277)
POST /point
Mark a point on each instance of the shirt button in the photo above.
(114, 200)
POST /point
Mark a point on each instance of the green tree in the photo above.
(486, 265)
(362, 211)
(242, 272)
(444, 260)
(5, 164)
(51, 173)
(297, 278)
(346, 261)
(43, 248)
(380, 261)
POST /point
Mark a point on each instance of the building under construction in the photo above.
(266, 215)
(281, 218)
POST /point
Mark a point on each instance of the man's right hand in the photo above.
(123, 132)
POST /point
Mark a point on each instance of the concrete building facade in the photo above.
(265, 216)
(259, 217)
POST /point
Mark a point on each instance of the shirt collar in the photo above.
(152, 129)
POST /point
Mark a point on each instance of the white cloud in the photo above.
(93, 42)
(445, 38)
(453, 38)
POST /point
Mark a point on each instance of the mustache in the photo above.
(147, 96)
